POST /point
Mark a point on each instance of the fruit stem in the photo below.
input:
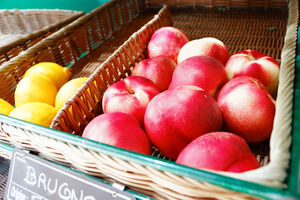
(130, 91)
(251, 58)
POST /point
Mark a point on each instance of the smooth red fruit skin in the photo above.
(130, 95)
(207, 46)
(177, 116)
(120, 130)
(255, 64)
(248, 109)
(202, 71)
(221, 151)
(166, 41)
(158, 69)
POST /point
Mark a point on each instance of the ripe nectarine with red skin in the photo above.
(248, 108)
(158, 69)
(221, 151)
(130, 95)
(202, 71)
(255, 64)
(166, 41)
(207, 46)
(120, 130)
(176, 116)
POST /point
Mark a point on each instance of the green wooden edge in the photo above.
(294, 174)
(259, 190)
(6, 147)
(138, 196)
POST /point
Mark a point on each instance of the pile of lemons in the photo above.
(41, 93)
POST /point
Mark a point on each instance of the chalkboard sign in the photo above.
(33, 178)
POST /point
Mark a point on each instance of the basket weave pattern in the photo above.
(93, 51)
(74, 44)
(20, 29)
(223, 3)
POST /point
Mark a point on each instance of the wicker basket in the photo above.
(20, 29)
(5, 151)
(223, 3)
(97, 45)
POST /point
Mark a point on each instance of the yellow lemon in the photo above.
(35, 112)
(35, 88)
(5, 107)
(68, 90)
(58, 74)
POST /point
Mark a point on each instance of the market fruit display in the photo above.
(248, 109)
(255, 64)
(202, 71)
(189, 100)
(130, 95)
(207, 46)
(68, 90)
(35, 112)
(177, 116)
(158, 69)
(58, 74)
(205, 111)
(120, 130)
(221, 151)
(35, 88)
(166, 41)
(5, 107)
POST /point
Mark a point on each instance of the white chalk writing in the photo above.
(53, 186)
(17, 193)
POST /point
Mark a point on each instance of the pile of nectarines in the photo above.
(193, 101)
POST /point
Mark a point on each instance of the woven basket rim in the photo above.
(220, 3)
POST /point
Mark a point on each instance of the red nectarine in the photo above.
(120, 130)
(202, 71)
(166, 41)
(248, 108)
(207, 46)
(255, 64)
(176, 116)
(130, 95)
(221, 151)
(158, 69)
